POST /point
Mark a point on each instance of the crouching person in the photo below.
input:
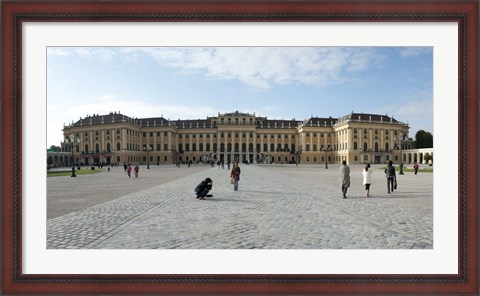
(203, 188)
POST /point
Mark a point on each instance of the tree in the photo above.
(423, 139)
(56, 148)
(428, 158)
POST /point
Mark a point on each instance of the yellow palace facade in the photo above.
(117, 138)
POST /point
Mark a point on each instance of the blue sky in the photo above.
(277, 82)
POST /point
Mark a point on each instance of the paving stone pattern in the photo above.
(273, 209)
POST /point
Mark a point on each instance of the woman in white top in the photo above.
(367, 178)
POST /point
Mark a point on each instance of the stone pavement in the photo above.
(276, 207)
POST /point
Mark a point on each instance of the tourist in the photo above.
(235, 175)
(344, 178)
(129, 170)
(415, 167)
(203, 188)
(391, 177)
(136, 169)
(367, 178)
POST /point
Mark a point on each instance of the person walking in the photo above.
(235, 175)
(415, 167)
(129, 170)
(367, 178)
(391, 177)
(136, 169)
(344, 178)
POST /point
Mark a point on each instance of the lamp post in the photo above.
(326, 149)
(72, 140)
(401, 154)
(147, 149)
(298, 156)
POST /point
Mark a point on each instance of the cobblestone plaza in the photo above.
(276, 207)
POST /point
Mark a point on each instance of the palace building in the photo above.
(116, 138)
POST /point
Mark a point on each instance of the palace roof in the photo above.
(210, 122)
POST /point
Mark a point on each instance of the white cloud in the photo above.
(262, 67)
(137, 108)
(56, 51)
(83, 52)
(408, 52)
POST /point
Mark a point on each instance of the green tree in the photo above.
(423, 139)
(56, 148)
(428, 158)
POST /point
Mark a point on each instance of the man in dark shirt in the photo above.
(203, 188)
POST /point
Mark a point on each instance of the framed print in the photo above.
(41, 254)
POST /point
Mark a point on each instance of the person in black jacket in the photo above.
(391, 176)
(203, 188)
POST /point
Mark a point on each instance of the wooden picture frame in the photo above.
(14, 13)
